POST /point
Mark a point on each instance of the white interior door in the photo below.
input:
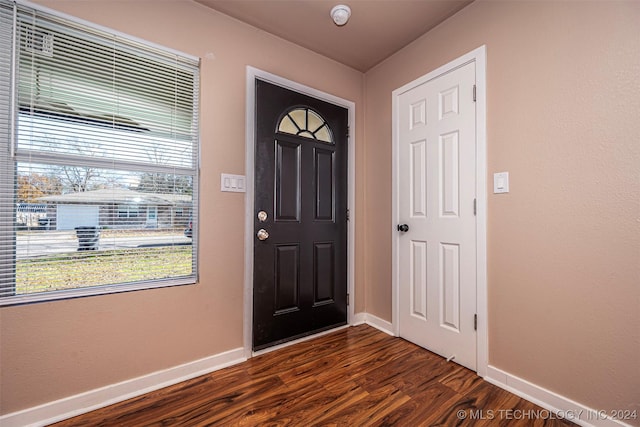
(436, 176)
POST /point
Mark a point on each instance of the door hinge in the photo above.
(475, 322)
(475, 206)
(348, 215)
(348, 131)
(347, 299)
(474, 93)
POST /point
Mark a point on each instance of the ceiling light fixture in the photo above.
(340, 14)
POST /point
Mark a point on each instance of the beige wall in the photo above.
(564, 245)
(53, 350)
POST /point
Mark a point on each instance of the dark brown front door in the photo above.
(300, 222)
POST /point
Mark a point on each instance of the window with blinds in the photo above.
(98, 160)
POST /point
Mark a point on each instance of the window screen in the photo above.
(98, 160)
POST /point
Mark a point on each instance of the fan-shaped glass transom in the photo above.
(306, 123)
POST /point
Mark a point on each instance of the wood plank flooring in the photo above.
(357, 376)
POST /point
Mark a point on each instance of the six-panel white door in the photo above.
(436, 176)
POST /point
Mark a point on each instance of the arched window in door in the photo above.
(306, 123)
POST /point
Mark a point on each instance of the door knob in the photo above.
(403, 227)
(262, 234)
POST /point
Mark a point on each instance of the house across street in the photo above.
(117, 208)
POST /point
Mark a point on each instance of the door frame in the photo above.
(252, 75)
(479, 57)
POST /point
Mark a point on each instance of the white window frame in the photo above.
(10, 159)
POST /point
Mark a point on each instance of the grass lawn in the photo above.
(89, 268)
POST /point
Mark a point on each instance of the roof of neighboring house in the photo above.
(119, 196)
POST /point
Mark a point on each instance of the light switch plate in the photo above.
(500, 182)
(233, 183)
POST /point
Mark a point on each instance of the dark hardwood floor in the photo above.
(353, 377)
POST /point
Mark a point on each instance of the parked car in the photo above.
(189, 230)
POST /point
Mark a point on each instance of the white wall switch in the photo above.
(233, 183)
(501, 182)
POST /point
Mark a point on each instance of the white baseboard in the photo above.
(553, 402)
(99, 398)
(374, 321)
(357, 319)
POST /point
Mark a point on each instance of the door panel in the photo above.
(450, 286)
(449, 184)
(418, 281)
(300, 270)
(287, 181)
(436, 176)
(287, 278)
(323, 166)
(324, 269)
(418, 174)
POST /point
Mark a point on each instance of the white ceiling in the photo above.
(376, 30)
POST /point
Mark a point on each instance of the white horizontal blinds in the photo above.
(7, 256)
(75, 75)
(106, 157)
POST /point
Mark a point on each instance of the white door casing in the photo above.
(439, 170)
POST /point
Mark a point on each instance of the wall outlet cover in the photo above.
(500, 182)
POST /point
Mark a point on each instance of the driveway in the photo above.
(38, 243)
